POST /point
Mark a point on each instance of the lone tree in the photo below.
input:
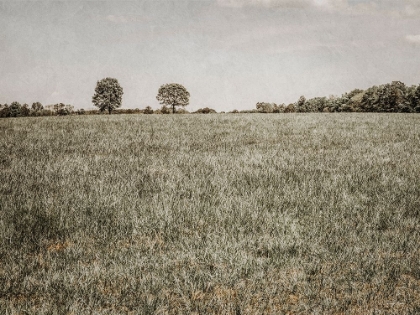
(173, 95)
(108, 95)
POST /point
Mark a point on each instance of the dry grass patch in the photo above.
(216, 214)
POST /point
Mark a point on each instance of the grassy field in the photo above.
(210, 214)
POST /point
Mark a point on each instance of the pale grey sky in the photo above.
(229, 54)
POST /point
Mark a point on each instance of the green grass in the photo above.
(210, 214)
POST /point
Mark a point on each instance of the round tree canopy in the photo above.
(173, 94)
(108, 94)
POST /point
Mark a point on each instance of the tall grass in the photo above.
(210, 214)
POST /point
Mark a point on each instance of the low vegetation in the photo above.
(394, 97)
(204, 214)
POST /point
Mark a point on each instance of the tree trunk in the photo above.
(173, 108)
(109, 110)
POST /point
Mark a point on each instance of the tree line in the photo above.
(108, 98)
(16, 109)
(391, 97)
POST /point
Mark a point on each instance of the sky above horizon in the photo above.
(229, 54)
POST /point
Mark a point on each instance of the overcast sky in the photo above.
(229, 54)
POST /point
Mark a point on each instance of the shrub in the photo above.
(205, 110)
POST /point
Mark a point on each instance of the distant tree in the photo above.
(396, 96)
(148, 110)
(63, 112)
(70, 108)
(14, 109)
(5, 112)
(173, 94)
(340, 104)
(278, 108)
(24, 110)
(108, 95)
(37, 106)
(56, 108)
(354, 93)
(370, 101)
(290, 108)
(205, 110)
(81, 111)
(281, 108)
(350, 101)
(416, 101)
(263, 107)
(300, 104)
(417, 93)
(316, 104)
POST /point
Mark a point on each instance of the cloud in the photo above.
(414, 39)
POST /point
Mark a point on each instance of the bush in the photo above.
(290, 108)
(63, 112)
(4, 111)
(263, 107)
(14, 109)
(205, 110)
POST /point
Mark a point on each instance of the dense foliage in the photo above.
(392, 97)
(108, 95)
(173, 95)
(205, 110)
(15, 109)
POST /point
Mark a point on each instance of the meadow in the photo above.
(210, 214)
